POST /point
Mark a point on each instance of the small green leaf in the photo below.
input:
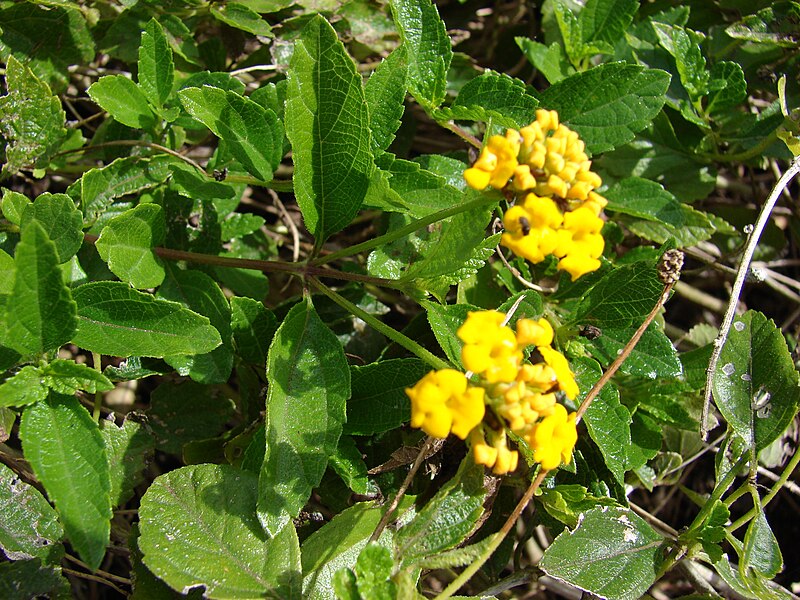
(612, 553)
(566, 503)
(66, 451)
(761, 550)
(445, 319)
(309, 383)
(446, 520)
(684, 46)
(550, 60)
(29, 527)
(727, 87)
(156, 68)
(23, 388)
(251, 132)
(609, 103)
(129, 449)
(385, 93)
(429, 50)
(253, 328)
(98, 188)
(123, 100)
(774, 25)
(67, 377)
(378, 401)
(116, 320)
(327, 121)
(40, 313)
(199, 530)
(756, 385)
(31, 119)
(199, 292)
(349, 465)
(190, 182)
(493, 97)
(57, 215)
(373, 572)
(239, 16)
(607, 20)
(13, 205)
(126, 244)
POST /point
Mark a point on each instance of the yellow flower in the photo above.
(442, 402)
(490, 349)
(564, 376)
(553, 439)
(534, 333)
(498, 456)
(497, 162)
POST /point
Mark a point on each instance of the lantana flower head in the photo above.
(553, 439)
(490, 348)
(442, 402)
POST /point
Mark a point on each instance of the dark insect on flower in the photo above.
(220, 175)
(524, 225)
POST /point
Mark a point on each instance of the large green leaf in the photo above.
(608, 104)
(429, 50)
(126, 244)
(25, 579)
(57, 215)
(761, 551)
(29, 526)
(612, 553)
(327, 121)
(309, 383)
(31, 119)
(756, 385)
(156, 68)
(123, 100)
(199, 292)
(654, 356)
(199, 530)
(40, 313)
(65, 449)
(447, 519)
(253, 326)
(113, 319)
(385, 93)
(378, 402)
(129, 449)
(251, 132)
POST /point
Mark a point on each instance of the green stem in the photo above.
(787, 472)
(406, 230)
(719, 490)
(738, 493)
(98, 396)
(756, 150)
(389, 332)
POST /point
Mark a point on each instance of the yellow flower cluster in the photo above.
(521, 395)
(559, 213)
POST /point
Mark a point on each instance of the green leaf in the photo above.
(445, 319)
(253, 328)
(31, 120)
(40, 313)
(385, 93)
(184, 412)
(349, 465)
(67, 377)
(429, 50)
(65, 450)
(373, 571)
(199, 530)
(771, 25)
(684, 46)
(566, 503)
(550, 60)
(99, 187)
(664, 216)
(608, 104)
(25, 579)
(252, 133)
(23, 388)
(492, 97)
(756, 385)
(622, 298)
(6, 273)
(240, 16)
(29, 527)
(128, 449)
(570, 28)
(197, 291)
(327, 121)
(727, 87)
(62, 222)
(190, 182)
(309, 383)
(761, 551)
(446, 520)
(156, 68)
(612, 553)
(607, 20)
(337, 545)
(607, 420)
(123, 100)
(653, 357)
(13, 205)
(378, 401)
(49, 39)
(126, 244)
(115, 320)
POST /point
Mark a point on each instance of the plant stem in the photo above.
(719, 490)
(404, 231)
(389, 332)
(738, 284)
(98, 396)
(497, 539)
